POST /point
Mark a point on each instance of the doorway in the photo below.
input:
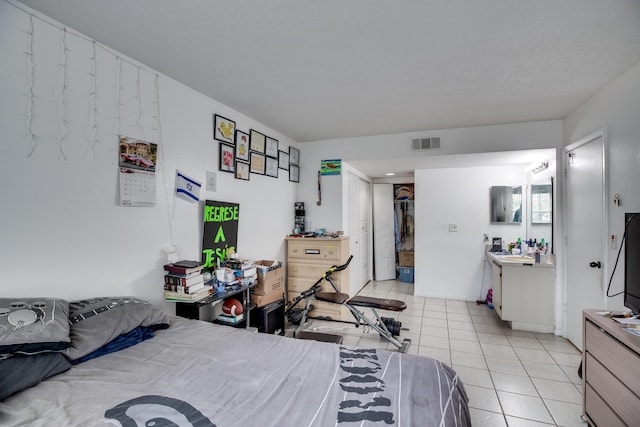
(585, 231)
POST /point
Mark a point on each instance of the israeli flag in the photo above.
(187, 188)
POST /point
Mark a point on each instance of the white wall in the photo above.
(451, 263)
(616, 108)
(63, 231)
(482, 139)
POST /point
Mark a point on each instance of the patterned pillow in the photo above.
(97, 321)
(33, 325)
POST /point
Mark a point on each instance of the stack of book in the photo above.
(244, 270)
(184, 281)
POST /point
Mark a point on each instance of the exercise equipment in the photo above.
(387, 327)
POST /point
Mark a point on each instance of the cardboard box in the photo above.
(262, 300)
(405, 258)
(270, 277)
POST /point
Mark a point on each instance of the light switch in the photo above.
(453, 228)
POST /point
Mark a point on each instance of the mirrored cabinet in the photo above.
(506, 204)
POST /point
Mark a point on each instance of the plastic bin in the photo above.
(406, 274)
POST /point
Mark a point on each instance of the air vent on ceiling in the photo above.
(425, 143)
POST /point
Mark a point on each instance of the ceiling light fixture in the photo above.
(389, 174)
(542, 166)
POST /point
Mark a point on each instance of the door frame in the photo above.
(601, 133)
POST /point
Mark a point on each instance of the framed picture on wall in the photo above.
(257, 163)
(283, 160)
(271, 167)
(227, 158)
(294, 156)
(271, 147)
(224, 130)
(242, 170)
(257, 141)
(242, 146)
(294, 173)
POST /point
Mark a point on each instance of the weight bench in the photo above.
(387, 327)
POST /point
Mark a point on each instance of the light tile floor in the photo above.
(512, 378)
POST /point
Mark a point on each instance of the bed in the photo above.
(194, 373)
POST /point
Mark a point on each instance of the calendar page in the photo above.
(137, 188)
(138, 160)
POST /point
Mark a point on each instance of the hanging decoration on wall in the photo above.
(331, 167)
(224, 130)
(187, 188)
(283, 160)
(227, 158)
(93, 106)
(30, 107)
(271, 167)
(319, 202)
(242, 146)
(257, 141)
(220, 234)
(62, 93)
(271, 147)
(137, 172)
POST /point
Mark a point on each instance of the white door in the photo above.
(359, 214)
(365, 232)
(353, 197)
(585, 231)
(384, 258)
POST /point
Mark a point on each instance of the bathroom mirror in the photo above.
(506, 204)
(541, 204)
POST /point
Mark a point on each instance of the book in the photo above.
(183, 281)
(175, 268)
(194, 288)
(188, 264)
(181, 296)
(186, 275)
(231, 319)
(239, 264)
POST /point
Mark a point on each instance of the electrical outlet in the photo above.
(614, 241)
(453, 228)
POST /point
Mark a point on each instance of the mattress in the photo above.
(200, 374)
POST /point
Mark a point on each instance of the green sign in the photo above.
(220, 235)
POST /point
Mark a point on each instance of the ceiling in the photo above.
(316, 70)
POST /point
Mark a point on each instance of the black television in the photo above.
(632, 262)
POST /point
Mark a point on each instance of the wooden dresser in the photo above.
(307, 260)
(611, 372)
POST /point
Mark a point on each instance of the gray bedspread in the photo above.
(199, 374)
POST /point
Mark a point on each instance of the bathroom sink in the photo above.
(518, 258)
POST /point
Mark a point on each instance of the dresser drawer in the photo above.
(615, 394)
(599, 412)
(300, 284)
(308, 270)
(316, 250)
(618, 359)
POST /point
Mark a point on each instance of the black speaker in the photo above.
(269, 319)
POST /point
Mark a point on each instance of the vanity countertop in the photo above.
(505, 260)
